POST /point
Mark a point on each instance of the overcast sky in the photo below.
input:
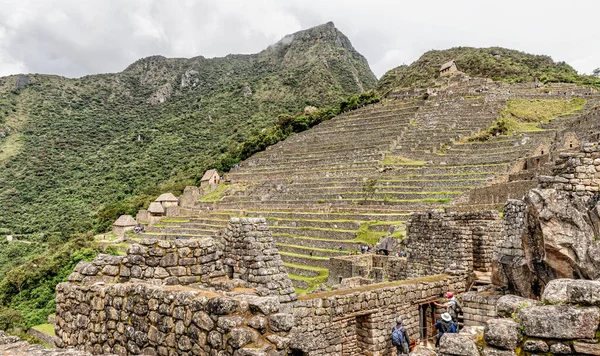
(79, 37)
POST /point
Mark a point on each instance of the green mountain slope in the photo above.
(495, 62)
(70, 146)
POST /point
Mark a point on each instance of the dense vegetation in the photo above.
(495, 62)
(76, 153)
(72, 147)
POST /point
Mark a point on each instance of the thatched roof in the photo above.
(156, 208)
(125, 220)
(447, 65)
(166, 197)
(209, 174)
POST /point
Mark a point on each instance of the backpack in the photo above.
(398, 336)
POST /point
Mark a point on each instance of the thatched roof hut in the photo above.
(167, 197)
(156, 208)
(125, 221)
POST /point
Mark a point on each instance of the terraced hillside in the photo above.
(356, 178)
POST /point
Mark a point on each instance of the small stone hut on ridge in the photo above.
(123, 223)
(448, 68)
(167, 200)
(210, 177)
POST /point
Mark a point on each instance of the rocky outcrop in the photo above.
(553, 232)
(569, 327)
(458, 344)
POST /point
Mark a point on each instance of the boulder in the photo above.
(560, 321)
(507, 305)
(240, 337)
(458, 345)
(572, 291)
(502, 333)
(559, 236)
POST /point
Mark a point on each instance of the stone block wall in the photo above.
(251, 255)
(135, 318)
(359, 321)
(377, 268)
(478, 308)
(441, 242)
(179, 262)
(576, 172)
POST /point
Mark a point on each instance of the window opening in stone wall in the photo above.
(295, 352)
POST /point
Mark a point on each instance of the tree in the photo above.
(596, 72)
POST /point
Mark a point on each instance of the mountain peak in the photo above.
(324, 33)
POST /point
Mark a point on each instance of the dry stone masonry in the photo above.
(564, 322)
(178, 298)
(441, 242)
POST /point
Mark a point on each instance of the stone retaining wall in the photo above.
(478, 308)
(132, 319)
(180, 262)
(359, 321)
(440, 242)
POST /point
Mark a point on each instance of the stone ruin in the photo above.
(231, 295)
(181, 297)
(553, 231)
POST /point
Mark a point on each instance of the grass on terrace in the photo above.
(47, 329)
(214, 195)
(401, 161)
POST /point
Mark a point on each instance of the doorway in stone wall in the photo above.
(427, 323)
(356, 333)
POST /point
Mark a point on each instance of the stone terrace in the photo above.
(357, 177)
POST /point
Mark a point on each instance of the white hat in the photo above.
(398, 320)
(446, 317)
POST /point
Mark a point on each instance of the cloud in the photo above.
(75, 37)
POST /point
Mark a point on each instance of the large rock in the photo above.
(572, 291)
(560, 322)
(508, 305)
(559, 237)
(502, 333)
(458, 345)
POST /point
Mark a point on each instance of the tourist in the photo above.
(452, 306)
(400, 338)
(446, 325)
(403, 254)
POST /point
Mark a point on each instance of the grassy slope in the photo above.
(495, 62)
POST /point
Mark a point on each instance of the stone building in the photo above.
(167, 200)
(210, 177)
(448, 68)
(123, 223)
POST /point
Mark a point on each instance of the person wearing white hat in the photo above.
(446, 325)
